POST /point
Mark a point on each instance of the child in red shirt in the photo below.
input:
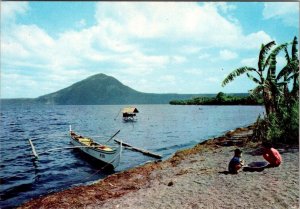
(271, 155)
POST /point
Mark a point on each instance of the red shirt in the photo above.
(273, 157)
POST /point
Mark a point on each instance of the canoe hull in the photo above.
(109, 157)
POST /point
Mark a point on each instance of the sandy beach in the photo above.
(193, 178)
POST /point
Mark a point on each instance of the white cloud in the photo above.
(190, 49)
(128, 39)
(204, 56)
(213, 80)
(288, 12)
(168, 78)
(194, 72)
(178, 59)
(9, 10)
(142, 61)
(223, 6)
(227, 54)
(11, 48)
(28, 44)
(254, 40)
(174, 21)
(17, 85)
(113, 38)
(249, 62)
(81, 23)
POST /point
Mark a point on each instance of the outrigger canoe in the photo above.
(108, 154)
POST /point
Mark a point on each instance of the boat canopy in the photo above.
(130, 110)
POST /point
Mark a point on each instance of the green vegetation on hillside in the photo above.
(220, 99)
(279, 90)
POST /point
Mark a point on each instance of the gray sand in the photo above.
(198, 182)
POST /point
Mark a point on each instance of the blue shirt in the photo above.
(234, 162)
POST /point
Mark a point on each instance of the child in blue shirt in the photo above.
(236, 163)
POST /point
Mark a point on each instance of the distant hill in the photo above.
(102, 89)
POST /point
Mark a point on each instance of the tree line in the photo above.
(220, 99)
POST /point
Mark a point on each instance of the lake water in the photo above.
(162, 129)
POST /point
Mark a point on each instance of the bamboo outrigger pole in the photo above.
(73, 147)
(33, 149)
(145, 152)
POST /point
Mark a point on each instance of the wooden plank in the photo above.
(145, 152)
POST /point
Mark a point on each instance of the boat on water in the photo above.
(105, 153)
(129, 114)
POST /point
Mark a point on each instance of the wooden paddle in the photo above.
(113, 136)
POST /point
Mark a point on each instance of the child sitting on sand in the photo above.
(236, 163)
(271, 155)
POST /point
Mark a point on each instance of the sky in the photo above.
(153, 47)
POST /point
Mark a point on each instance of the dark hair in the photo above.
(237, 152)
(267, 145)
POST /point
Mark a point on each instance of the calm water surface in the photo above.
(162, 129)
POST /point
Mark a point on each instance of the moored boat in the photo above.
(108, 154)
(129, 114)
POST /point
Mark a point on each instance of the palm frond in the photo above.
(267, 63)
(257, 90)
(294, 76)
(272, 65)
(287, 56)
(294, 49)
(279, 49)
(236, 73)
(291, 67)
(255, 80)
(262, 54)
(282, 83)
(272, 69)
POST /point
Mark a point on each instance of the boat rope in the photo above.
(118, 114)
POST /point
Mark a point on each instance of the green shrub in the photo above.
(274, 129)
(281, 127)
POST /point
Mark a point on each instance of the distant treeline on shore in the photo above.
(220, 99)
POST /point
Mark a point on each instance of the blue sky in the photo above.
(155, 47)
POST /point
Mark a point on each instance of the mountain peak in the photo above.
(103, 89)
(99, 76)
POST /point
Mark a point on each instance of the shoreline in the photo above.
(145, 186)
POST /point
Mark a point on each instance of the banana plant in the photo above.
(291, 70)
(274, 86)
(270, 85)
(259, 79)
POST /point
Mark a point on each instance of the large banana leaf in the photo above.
(291, 67)
(294, 49)
(236, 73)
(272, 67)
(262, 54)
(255, 80)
